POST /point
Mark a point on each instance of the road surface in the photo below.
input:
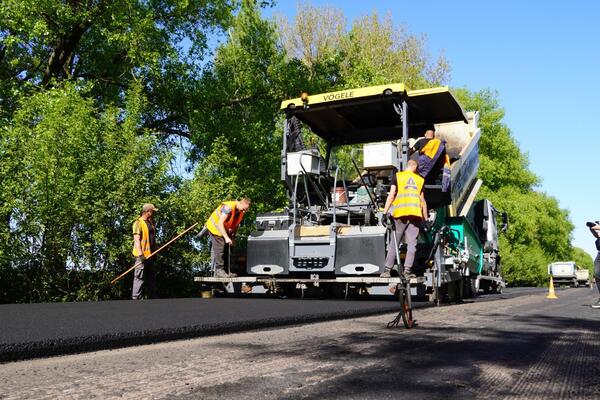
(34, 330)
(514, 347)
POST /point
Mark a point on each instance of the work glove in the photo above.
(387, 220)
(426, 226)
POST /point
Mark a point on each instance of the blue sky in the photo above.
(543, 58)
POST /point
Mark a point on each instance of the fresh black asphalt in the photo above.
(46, 329)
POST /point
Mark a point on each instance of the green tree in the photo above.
(502, 161)
(92, 94)
(372, 51)
(113, 44)
(236, 123)
(73, 179)
(540, 231)
(583, 259)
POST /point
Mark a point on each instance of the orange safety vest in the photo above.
(431, 148)
(408, 197)
(430, 154)
(234, 219)
(144, 239)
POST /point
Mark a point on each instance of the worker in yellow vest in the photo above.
(408, 208)
(222, 226)
(144, 243)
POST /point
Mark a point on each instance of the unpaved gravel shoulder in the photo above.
(524, 347)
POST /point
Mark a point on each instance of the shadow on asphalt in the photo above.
(444, 362)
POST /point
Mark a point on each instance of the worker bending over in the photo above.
(408, 209)
(144, 243)
(431, 155)
(222, 226)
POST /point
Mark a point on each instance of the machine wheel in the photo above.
(494, 287)
(474, 290)
(454, 291)
(469, 289)
(406, 308)
(486, 286)
(402, 290)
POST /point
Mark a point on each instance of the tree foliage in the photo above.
(236, 132)
(502, 161)
(540, 231)
(583, 259)
(112, 44)
(90, 91)
(372, 51)
(73, 178)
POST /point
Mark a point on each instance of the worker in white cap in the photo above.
(144, 243)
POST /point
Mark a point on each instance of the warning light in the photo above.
(304, 97)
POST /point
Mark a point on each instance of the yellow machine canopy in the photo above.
(371, 114)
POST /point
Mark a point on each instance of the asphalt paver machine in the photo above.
(332, 235)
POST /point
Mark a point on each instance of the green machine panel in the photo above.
(465, 241)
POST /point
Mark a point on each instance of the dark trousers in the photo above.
(144, 279)
(218, 252)
(408, 230)
(597, 271)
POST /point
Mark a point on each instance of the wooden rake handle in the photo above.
(118, 278)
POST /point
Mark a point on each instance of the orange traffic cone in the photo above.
(551, 294)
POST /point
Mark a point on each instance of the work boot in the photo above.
(386, 273)
(596, 304)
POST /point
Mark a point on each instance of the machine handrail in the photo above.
(363, 180)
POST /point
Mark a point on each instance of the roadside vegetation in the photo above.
(107, 105)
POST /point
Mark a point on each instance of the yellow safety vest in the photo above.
(234, 219)
(408, 196)
(144, 239)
